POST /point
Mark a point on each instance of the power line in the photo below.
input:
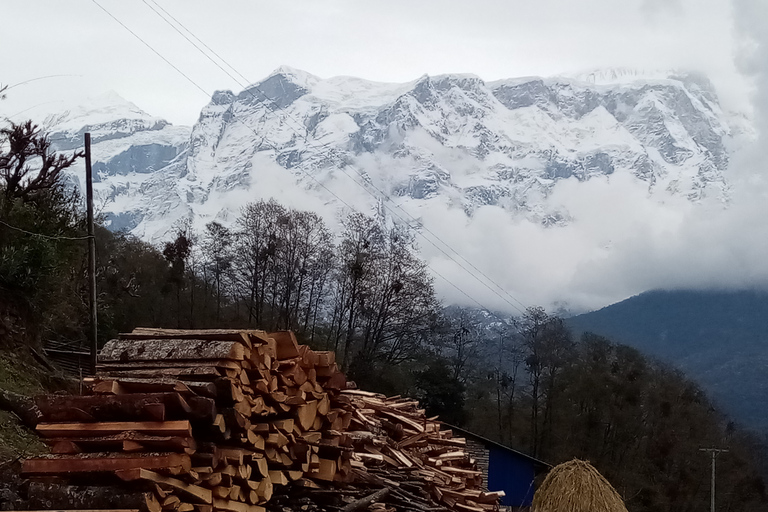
(199, 40)
(134, 34)
(343, 164)
(248, 88)
(383, 194)
(48, 237)
(38, 78)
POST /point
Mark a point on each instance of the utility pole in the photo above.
(91, 252)
(714, 452)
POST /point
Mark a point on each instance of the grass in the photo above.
(20, 373)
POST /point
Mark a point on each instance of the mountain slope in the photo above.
(720, 339)
(454, 139)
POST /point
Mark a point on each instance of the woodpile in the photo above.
(228, 420)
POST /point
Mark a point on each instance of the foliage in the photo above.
(640, 423)
(718, 336)
(39, 221)
(28, 168)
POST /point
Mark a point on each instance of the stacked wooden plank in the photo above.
(397, 446)
(210, 420)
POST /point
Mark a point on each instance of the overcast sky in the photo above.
(396, 41)
(654, 244)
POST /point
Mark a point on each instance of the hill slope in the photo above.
(719, 338)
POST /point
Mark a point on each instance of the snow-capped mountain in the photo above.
(128, 148)
(449, 138)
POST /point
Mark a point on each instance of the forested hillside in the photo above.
(525, 382)
(719, 338)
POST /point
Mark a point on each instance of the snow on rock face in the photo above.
(128, 149)
(451, 138)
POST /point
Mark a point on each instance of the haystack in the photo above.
(576, 486)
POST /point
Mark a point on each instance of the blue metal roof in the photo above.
(488, 442)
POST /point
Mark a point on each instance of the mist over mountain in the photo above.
(540, 182)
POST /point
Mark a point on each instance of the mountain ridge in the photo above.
(452, 138)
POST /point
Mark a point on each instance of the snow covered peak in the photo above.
(106, 116)
(103, 108)
(451, 139)
(297, 76)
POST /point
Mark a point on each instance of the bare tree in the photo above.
(548, 342)
(216, 247)
(28, 166)
(256, 246)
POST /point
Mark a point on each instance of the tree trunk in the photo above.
(23, 406)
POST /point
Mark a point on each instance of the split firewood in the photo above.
(241, 416)
(117, 442)
(172, 463)
(149, 349)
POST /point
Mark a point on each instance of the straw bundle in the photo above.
(576, 486)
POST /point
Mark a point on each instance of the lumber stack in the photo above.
(397, 446)
(209, 420)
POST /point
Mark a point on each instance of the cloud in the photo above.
(654, 8)
(621, 242)
(751, 25)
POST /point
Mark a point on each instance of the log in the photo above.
(194, 491)
(278, 477)
(180, 373)
(54, 495)
(132, 407)
(307, 414)
(336, 381)
(90, 510)
(170, 349)
(117, 442)
(326, 470)
(64, 447)
(365, 502)
(142, 333)
(126, 385)
(23, 406)
(179, 428)
(285, 344)
(235, 506)
(324, 358)
(175, 463)
(224, 364)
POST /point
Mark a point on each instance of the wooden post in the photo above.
(91, 252)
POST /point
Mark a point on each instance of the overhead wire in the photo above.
(39, 235)
(134, 34)
(249, 88)
(8, 88)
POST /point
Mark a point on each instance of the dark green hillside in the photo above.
(719, 338)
